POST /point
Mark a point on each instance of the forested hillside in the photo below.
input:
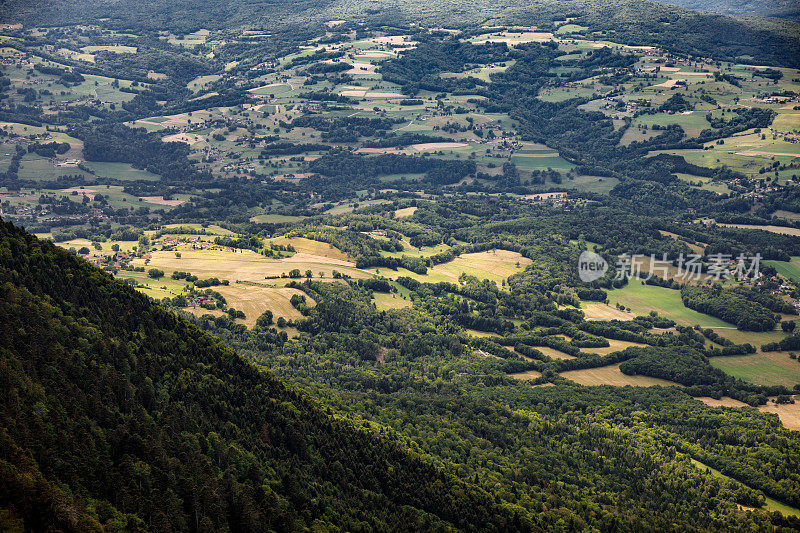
(632, 21)
(117, 415)
(788, 9)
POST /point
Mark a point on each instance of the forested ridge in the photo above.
(634, 21)
(538, 444)
(118, 415)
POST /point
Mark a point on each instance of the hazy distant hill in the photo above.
(764, 40)
(788, 9)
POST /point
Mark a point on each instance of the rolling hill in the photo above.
(788, 9)
(118, 415)
(752, 38)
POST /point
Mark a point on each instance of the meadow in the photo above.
(254, 300)
(770, 368)
(787, 269)
(612, 375)
(642, 299)
(494, 265)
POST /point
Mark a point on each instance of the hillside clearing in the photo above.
(612, 375)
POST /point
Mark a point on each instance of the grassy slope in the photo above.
(667, 302)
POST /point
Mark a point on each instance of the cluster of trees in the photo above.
(789, 343)
(121, 144)
(336, 129)
(361, 170)
(50, 149)
(420, 70)
(291, 148)
(587, 139)
(731, 305)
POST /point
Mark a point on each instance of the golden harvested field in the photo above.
(498, 263)
(253, 300)
(614, 346)
(476, 333)
(317, 248)
(552, 353)
(186, 138)
(405, 212)
(494, 265)
(527, 376)
(773, 229)
(722, 402)
(242, 265)
(105, 247)
(789, 414)
(384, 301)
(612, 375)
(159, 200)
(200, 311)
(428, 147)
(601, 311)
(303, 257)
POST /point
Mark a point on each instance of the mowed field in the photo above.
(601, 311)
(530, 375)
(789, 414)
(244, 265)
(614, 346)
(781, 230)
(756, 338)
(666, 302)
(405, 212)
(385, 301)
(787, 269)
(253, 300)
(612, 375)
(494, 265)
(767, 368)
(314, 248)
(553, 353)
(250, 291)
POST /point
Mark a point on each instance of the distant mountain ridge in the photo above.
(641, 22)
(786, 9)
